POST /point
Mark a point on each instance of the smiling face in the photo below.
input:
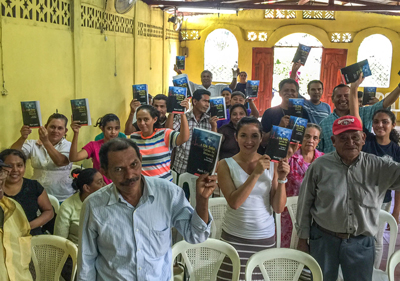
(17, 169)
(237, 114)
(288, 91)
(382, 125)
(227, 96)
(111, 130)
(315, 92)
(145, 122)
(237, 99)
(206, 79)
(56, 129)
(340, 98)
(249, 138)
(311, 139)
(349, 144)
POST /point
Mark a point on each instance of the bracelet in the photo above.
(282, 181)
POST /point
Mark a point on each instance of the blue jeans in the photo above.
(355, 255)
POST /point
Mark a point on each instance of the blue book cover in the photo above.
(302, 54)
(175, 96)
(182, 80)
(295, 107)
(351, 73)
(298, 126)
(278, 143)
(252, 88)
(140, 93)
(368, 95)
(218, 107)
(180, 62)
(204, 151)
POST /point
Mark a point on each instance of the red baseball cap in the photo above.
(346, 123)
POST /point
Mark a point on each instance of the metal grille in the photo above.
(319, 15)
(280, 14)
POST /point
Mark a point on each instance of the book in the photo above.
(278, 143)
(140, 93)
(368, 95)
(175, 96)
(218, 107)
(204, 151)
(180, 62)
(182, 80)
(81, 112)
(31, 114)
(351, 73)
(298, 126)
(252, 88)
(295, 107)
(302, 54)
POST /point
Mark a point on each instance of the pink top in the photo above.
(93, 149)
(298, 168)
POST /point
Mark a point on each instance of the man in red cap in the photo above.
(339, 204)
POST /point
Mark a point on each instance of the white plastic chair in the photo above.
(191, 181)
(49, 254)
(54, 202)
(393, 262)
(203, 260)
(282, 264)
(291, 204)
(174, 176)
(217, 207)
(278, 227)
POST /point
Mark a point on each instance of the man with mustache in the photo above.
(339, 203)
(125, 229)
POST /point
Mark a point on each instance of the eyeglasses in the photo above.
(4, 172)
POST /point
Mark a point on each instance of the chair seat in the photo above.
(379, 275)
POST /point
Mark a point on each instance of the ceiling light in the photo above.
(206, 11)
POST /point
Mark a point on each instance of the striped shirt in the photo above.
(156, 152)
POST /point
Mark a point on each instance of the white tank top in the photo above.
(254, 218)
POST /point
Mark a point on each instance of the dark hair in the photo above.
(198, 94)
(160, 97)
(153, 113)
(102, 121)
(116, 144)
(338, 87)
(57, 116)
(238, 93)
(314, 81)
(288, 81)
(206, 71)
(7, 152)
(360, 94)
(232, 108)
(243, 72)
(394, 135)
(249, 120)
(82, 177)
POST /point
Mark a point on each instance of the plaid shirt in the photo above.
(366, 114)
(182, 151)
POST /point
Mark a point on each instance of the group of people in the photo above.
(120, 212)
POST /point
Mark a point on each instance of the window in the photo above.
(378, 50)
(221, 52)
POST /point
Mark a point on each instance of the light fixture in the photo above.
(206, 11)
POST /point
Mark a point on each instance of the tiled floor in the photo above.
(385, 250)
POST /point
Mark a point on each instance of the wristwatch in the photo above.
(282, 181)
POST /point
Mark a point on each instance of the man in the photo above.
(339, 204)
(159, 102)
(206, 82)
(316, 109)
(197, 118)
(125, 231)
(278, 115)
(241, 85)
(15, 240)
(340, 99)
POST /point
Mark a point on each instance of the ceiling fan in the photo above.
(123, 6)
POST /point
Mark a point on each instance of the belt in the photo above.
(336, 234)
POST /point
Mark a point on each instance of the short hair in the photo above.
(288, 81)
(116, 144)
(338, 87)
(206, 71)
(249, 120)
(360, 94)
(243, 72)
(8, 152)
(233, 107)
(226, 89)
(198, 94)
(313, 125)
(57, 116)
(160, 97)
(238, 93)
(314, 81)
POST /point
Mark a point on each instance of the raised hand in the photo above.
(205, 185)
(43, 135)
(75, 126)
(25, 131)
(283, 169)
(185, 103)
(263, 164)
(284, 121)
(134, 105)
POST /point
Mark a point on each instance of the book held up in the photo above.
(218, 107)
(81, 112)
(278, 143)
(204, 151)
(252, 88)
(180, 62)
(298, 126)
(295, 107)
(182, 80)
(140, 93)
(351, 73)
(175, 96)
(31, 114)
(302, 54)
(368, 95)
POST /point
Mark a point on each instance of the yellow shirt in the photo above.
(15, 243)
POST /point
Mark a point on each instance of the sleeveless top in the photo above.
(254, 218)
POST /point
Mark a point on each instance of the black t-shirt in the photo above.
(28, 199)
(390, 151)
(272, 116)
(241, 87)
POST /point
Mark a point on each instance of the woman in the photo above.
(229, 145)
(30, 194)
(85, 182)
(156, 143)
(299, 161)
(254, 188)
(109, 125)
(49, 156)
(385, 143)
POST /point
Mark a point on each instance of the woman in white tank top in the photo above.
(254, 188)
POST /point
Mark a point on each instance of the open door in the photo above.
(332, 61)
(262, 69)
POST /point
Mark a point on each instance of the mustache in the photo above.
(129, 181)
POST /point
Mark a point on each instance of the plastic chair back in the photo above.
(191, 181)
(217, 207)
(174, 176)
(385, 217)
(282, 264)
(54, 202)
(203, 260)
(393, 262)
(49, 254)
(291, 204)
(278, 229)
